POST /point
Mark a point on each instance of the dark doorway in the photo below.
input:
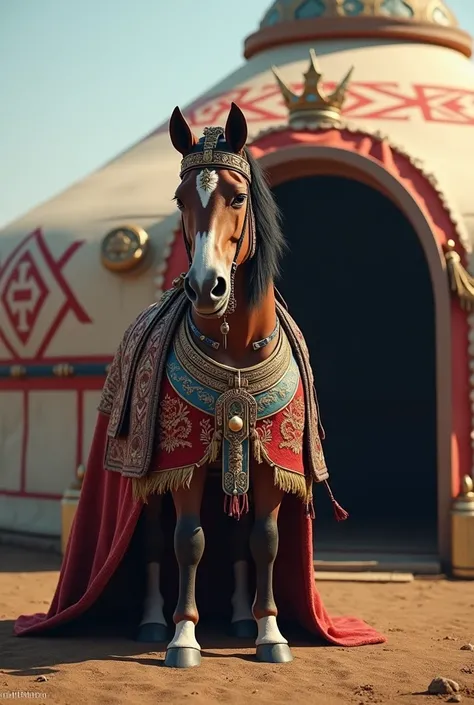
(357, 282)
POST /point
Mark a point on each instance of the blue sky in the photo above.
(81, 80)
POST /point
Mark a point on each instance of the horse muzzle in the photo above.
(209, 297)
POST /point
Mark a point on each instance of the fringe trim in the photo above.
(161, 482)
(286, 480)
(291, 482)
(460, 281)
(172, 480)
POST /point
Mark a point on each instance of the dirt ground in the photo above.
(426, 621)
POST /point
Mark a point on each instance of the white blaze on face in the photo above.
(204, 256)
(206, 184)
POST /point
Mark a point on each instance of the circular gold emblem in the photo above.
(124, 248)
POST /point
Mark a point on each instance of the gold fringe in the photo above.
(172, 480)
(285, 480)
(291, 482)
(161, 482)
(460, 281)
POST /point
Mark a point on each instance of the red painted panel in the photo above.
(24, 292)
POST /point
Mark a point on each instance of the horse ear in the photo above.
(236, 129)
(182, 138)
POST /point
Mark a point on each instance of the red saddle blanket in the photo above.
(102, 577)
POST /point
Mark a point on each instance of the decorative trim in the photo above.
(289, 156)
(287, 11)
(212, 156)
(460, 281)
(224, 160)
(63, 369)
(124, 248)
(365, 27)
(470, 349)
(380, 137)
(469, 306)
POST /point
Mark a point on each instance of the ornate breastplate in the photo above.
(237, 399)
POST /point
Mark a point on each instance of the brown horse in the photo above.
(234, 241)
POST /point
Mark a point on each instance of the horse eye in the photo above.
(179, 204)
(239, 200)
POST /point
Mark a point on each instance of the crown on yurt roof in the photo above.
(212, 151)
(313, 104)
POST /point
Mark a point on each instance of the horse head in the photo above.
(214, 198)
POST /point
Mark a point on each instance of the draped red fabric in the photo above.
(102, 536)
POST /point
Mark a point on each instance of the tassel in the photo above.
(215, 446)
(460, 281)
(245, 504)
(257, 446)
(236, 505)
(339, 512)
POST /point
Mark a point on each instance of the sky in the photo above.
(82, 80)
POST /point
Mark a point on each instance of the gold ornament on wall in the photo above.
(124, 248)
(314, 105)
(460, 281)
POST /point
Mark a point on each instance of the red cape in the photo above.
(103, 572)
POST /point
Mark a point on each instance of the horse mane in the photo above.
(264, 267)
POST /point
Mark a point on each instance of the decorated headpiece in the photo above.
(220, 147)
(212, 151)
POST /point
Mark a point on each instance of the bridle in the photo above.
(213, 155)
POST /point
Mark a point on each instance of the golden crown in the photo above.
(313, 104)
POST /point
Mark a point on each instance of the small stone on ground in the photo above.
(443, 686)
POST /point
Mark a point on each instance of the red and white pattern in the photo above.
(35, 297)
(365, 100)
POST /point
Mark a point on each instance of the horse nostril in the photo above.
(219, 288)
(190, 292)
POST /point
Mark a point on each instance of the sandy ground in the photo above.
(426, 621)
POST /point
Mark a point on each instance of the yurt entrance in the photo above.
(357, 282)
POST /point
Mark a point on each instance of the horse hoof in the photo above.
(244, 629)
(182, 657)
(274, 653)
(152, 633)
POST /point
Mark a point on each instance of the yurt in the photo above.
(362, 114)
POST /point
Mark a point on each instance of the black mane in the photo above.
(264, 267)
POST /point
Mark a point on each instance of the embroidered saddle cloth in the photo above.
(140, 388)
(210, 412)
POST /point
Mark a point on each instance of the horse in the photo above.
(234, 240)
(214, 378)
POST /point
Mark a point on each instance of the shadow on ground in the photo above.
(36, 656)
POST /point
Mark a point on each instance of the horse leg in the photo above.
(243, 625)
(183, 651)
(153, 627)
(272, 647)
